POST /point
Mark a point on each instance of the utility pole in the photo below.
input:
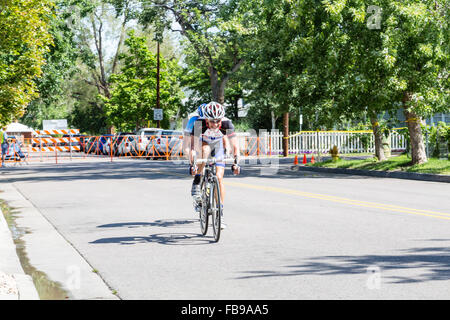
(157, 80)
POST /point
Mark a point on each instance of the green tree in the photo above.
(419, 37)
(87, 113)
(133, 95)
(340, 59)
(216, 33)
(196, 79)
(54, 100)
(24, 41)
(398, 57)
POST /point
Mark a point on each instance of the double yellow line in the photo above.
(387, 207)
(359, 203)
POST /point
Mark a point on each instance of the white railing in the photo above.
(271, 143)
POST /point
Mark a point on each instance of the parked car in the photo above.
(125, 146)
(118, 140)
(83, 143)
(104, 143)
(168, 143)
(91, 145)
(143, 138)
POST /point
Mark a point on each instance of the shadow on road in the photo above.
(157, 223)
(160, 238)
(433, 262)
(150, 170)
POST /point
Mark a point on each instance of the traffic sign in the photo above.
(157, 114)
(56, 124)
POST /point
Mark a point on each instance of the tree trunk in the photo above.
(221, 91)
(215, 83)
(122, 36)
(218, 85)
(233, 112)
(217, 90)
(418, 153)
(274, 119)
(286, 134)
(378, 135)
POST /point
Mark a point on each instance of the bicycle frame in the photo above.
(210, 201)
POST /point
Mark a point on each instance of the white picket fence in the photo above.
(271, 143)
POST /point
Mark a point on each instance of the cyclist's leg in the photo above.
(205, 151)
(219, 174)
(219, 153)
(196, 147)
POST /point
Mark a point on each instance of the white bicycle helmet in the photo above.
(214, 110)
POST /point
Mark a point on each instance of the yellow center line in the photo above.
(387, 207)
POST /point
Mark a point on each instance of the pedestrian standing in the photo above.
(4, 144)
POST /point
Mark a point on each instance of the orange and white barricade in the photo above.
(48, 147)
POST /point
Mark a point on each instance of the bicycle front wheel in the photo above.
(204, 208)
(216, 208)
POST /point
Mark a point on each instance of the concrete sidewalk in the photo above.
(48, 253)
(14, 283)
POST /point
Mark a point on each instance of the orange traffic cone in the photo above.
(312, 159)
(304, 159)
(296, 160)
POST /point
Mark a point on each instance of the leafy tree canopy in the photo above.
(24, 40)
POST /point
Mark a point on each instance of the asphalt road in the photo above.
(290, 235)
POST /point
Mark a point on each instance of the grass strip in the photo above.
(395, 163)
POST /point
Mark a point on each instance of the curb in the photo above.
(14, 283)
(50, 253)
(381, 174)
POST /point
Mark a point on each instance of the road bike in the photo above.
(209, 203)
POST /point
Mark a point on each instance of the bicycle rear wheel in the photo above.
(204, 209)
(216, 208)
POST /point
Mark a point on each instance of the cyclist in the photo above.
(213, 132)
(188, 139)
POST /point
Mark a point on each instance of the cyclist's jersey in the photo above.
(194, 116)
(212, 136)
